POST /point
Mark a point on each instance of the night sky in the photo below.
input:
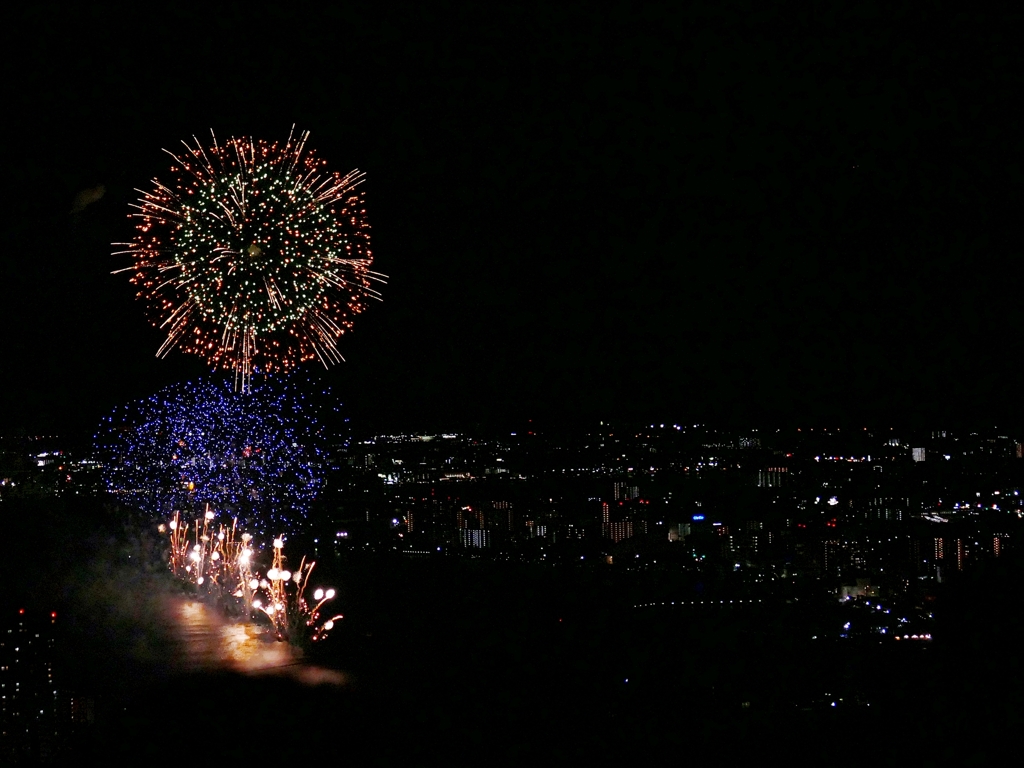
(739, 216)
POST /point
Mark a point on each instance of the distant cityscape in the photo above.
(683, 519)
(857, 511)
(38, 712)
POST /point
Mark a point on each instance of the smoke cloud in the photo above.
(87, 197)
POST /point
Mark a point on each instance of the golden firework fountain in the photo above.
(283, 599)
(220, 562)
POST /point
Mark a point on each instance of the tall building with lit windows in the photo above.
(503, 515)
(34, 712)
(625, 492)
(618, 531)
(615, 527)
(474, 537)
(26, 671)
(772, 477)
(830, 558)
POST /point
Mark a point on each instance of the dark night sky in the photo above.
(740, 215)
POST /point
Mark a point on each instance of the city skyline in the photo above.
(866, 564)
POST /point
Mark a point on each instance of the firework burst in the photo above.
(253, 256)
(257, 456)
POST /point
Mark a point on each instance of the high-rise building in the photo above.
(35, 714)
(887, 508)
(918, 454)
(625, 492)
(503, 516)
(619, 530)
(26, 673)
(474, 537)
(830, 558)
(616, 526)
(772, 477)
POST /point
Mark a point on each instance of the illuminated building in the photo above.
(830, 557)
(861, 588)
(625, 492)
(728, 546)
(678, 532)
(468, 517)
(474, 537)
(619, 530)
(620, 525)
(34, 712)
(772, 477)
(503, 513)
(887, 508)
(918, 454)
(26, 673)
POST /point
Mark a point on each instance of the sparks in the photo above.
(220, 564)
(257, 456)
(254, 257)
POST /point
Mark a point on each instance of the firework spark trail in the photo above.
(221, 564)
(255, 257)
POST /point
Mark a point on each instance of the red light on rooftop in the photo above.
(21, 610)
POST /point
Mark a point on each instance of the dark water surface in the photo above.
(475, 663)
